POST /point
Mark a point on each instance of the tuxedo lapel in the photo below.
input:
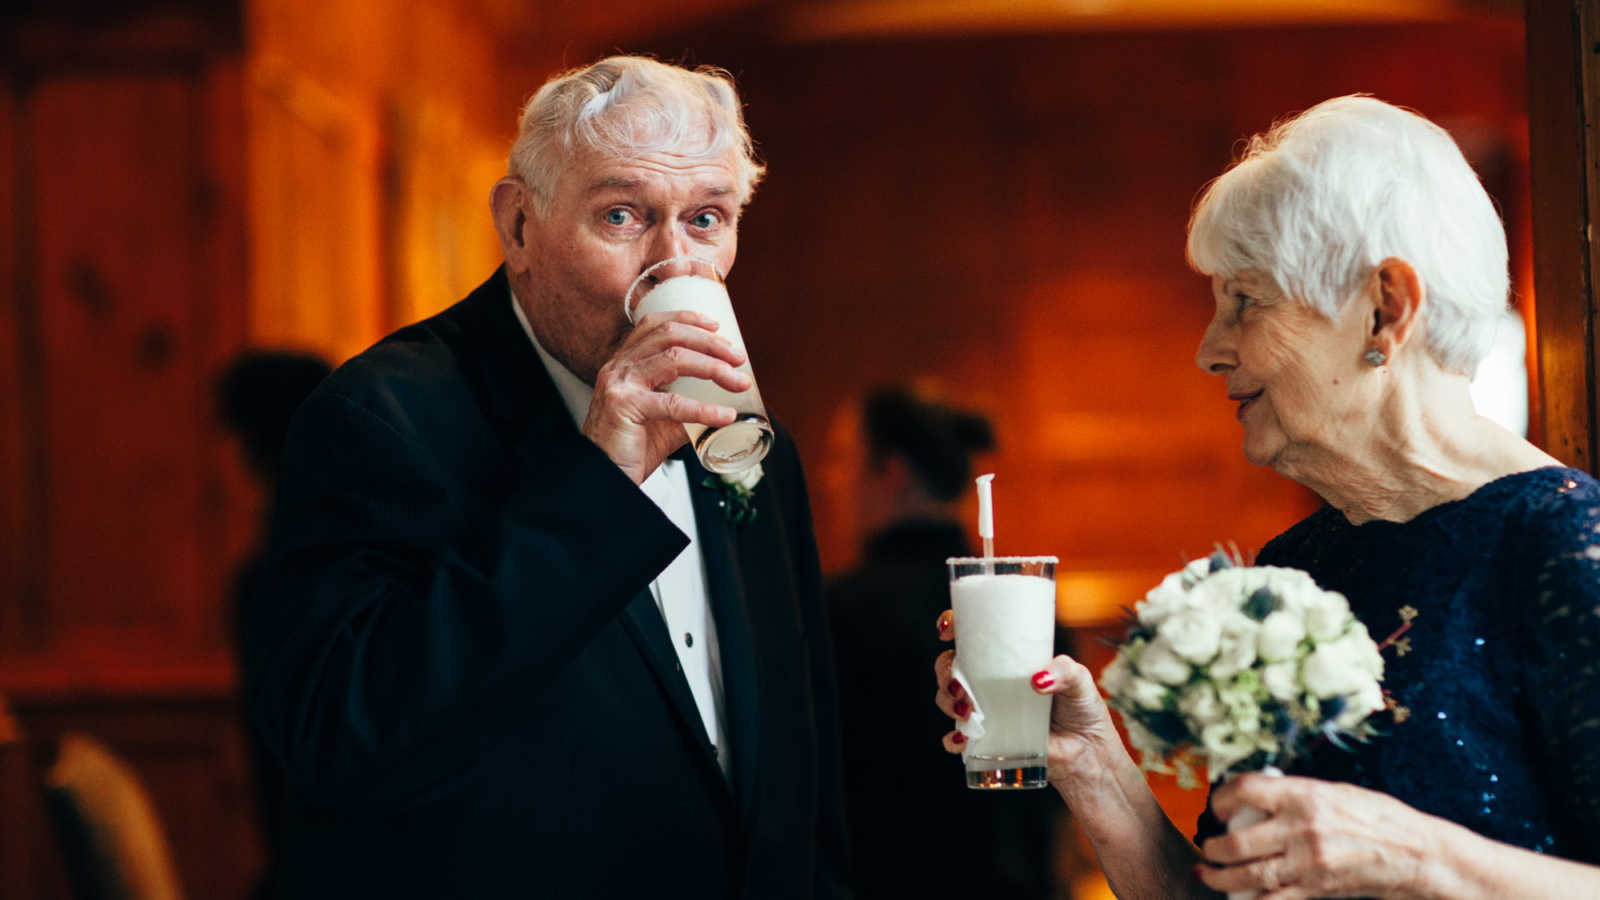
(643, 622)
(735, 636)
(525, 403)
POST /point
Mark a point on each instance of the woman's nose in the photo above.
(1215, 354)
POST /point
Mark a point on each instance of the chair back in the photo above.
(111, 837)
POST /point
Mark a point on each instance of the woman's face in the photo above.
(1293, 375)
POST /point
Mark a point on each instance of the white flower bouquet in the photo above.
(1241, 668)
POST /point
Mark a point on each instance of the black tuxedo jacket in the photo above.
(458, 664)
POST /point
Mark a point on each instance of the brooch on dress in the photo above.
(1402, 646)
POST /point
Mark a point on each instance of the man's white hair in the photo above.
(1319, 200)
(624, 107)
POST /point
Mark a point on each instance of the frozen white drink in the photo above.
(731, 448)
(1005, 633)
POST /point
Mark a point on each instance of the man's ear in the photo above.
(507, 205)
(1398, 306)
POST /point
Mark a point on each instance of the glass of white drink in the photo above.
(1005, 613)
(688, 282)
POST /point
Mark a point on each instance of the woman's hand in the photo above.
(1081, 730)
(1322, 839)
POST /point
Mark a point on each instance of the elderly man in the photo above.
(514, 644)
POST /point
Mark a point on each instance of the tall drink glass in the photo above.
(1005, 612)
(688, 282)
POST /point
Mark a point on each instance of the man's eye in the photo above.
(1245, 301)
(705, 220)
(618, 217)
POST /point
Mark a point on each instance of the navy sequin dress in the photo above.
(1500, 682)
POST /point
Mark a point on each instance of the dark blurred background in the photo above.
(989, 196)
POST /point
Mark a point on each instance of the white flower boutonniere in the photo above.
(738, 493)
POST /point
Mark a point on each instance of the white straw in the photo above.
(986, 514)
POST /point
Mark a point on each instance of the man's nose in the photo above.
(670, 244)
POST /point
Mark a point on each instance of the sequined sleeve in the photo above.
(1563, 671)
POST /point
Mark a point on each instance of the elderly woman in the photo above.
(1358, 270)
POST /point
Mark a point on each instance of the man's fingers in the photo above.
(686, 316)
(678, 408)
(658, 371)
(649, 341)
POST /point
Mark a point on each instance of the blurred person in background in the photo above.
(256, 397)
(901, 790)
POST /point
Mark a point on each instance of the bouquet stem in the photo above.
(1246, 817)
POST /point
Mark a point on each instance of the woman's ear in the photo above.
(1398, 306)
(506, 203)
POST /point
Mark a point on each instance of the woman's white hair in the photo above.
(1322, 198)
(625, 107)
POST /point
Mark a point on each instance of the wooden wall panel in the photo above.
(118, 255)
(1564, 107)
(124, 263)
(17, 507)
(1005, 216)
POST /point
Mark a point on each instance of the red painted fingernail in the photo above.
(1199, 870)
(1043, 680)
(962, 708)
(954, 688)
(958, 738)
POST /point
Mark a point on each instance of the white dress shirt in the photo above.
(680, 590)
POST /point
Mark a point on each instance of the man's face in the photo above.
(609, 220)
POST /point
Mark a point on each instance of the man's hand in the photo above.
(632, 417)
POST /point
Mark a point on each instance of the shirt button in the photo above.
(688, 639)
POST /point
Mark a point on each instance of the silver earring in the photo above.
(1374, 357)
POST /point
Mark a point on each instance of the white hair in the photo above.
(625, 107)
(1322, 198)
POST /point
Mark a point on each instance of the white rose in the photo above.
(1194, 571)
(1282, 680)
(1222, 592)
(1236, 650)
(1357, 706)
(1200, 704)
(1294, 589)
(1158, 662)
(1327, 616)
(1162, 601)
(1358, 647)
(748, 479)
(1225, 745)
(1280, 636)
(1194, 635)
(1332, 670)
(1148, 694)
(1115, 676)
